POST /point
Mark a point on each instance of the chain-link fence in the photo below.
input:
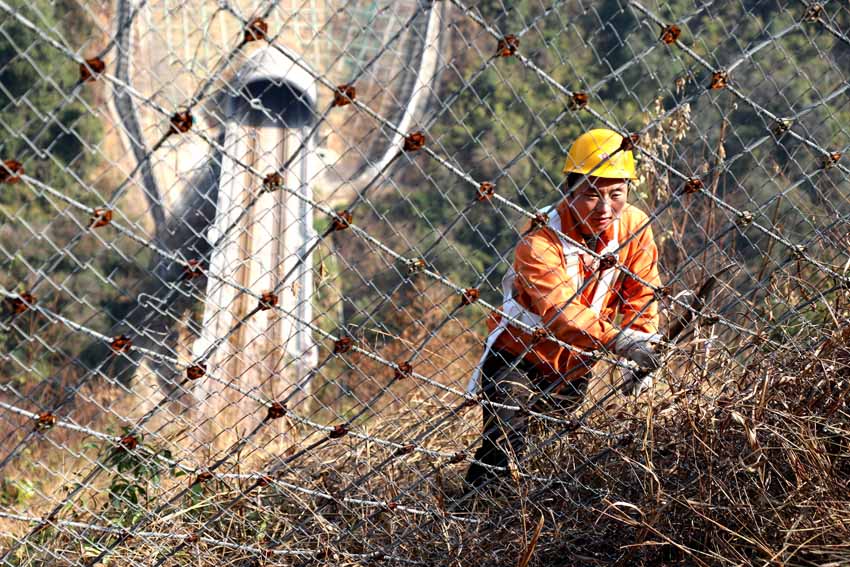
(252, 254)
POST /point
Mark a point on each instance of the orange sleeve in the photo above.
(637, 304)
(543, 288)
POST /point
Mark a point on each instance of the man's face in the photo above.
(597, 202)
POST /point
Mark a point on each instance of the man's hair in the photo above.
(573, 180)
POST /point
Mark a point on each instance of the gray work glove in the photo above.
(639, 347)
(634, 386)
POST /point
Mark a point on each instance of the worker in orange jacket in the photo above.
(555, 284)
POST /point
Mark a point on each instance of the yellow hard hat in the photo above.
(596, 146)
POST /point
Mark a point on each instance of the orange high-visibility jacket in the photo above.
(543, 287)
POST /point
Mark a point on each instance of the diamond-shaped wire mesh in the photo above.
(254, 253)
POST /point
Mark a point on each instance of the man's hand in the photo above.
(639, 347)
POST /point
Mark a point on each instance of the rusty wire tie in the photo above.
(813, 12)
(629, 142)
(578, 100)
(192, 270)
(11, 171)
(692, 185)
(405, 449)
(342, 220)
(458, 457)
(267, 301)
(343, 345)
(91, 69)
(830, 160)
(780, 126)
(264, 480)
(470, 295)
(196, 371)
(507, 46)
(485, 191)
(415, 265)
(607, 262)
(338, 431)
(414, 142)
(403, 370)
(21, 303)
(273, 181)
(256, 30)
(45, 421)
(181, 122)
(344, 94)
(539, 334)
(662, 292)
(670, 34)
(276, 411)
(203, 477)
(719, 80)
(745, 218)
(538, 221)
(128, 442)
(121, 343)
(101, 216)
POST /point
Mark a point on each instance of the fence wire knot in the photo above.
(578, 101)
(629, 142)
(100, 217)
(256, 30)
(196, 371)
(344, 95)
(268, 300)
(11, 171)
(781, 126)
(507, 46)
(338, 431)
(745, 218)
(341, 221)
(485, 191)
(470, 295)
(121, 343)
(402, 371)
(458, 457)
(692, 185)
(192, 269)
(719, 80)
(91, 69)
(45, 421)
(414, 266)
(538, 221)
(181, 122)
(128, 442)
(414, 142)
(539, 334)
(273, 181)
(405, 449)
(830, 160)
(202, 477)
(607, 262)
(670, 34)
(813, 12)
(20, 304)
(276, 411)
(343, 345)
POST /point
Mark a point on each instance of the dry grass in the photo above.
(750, 466)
